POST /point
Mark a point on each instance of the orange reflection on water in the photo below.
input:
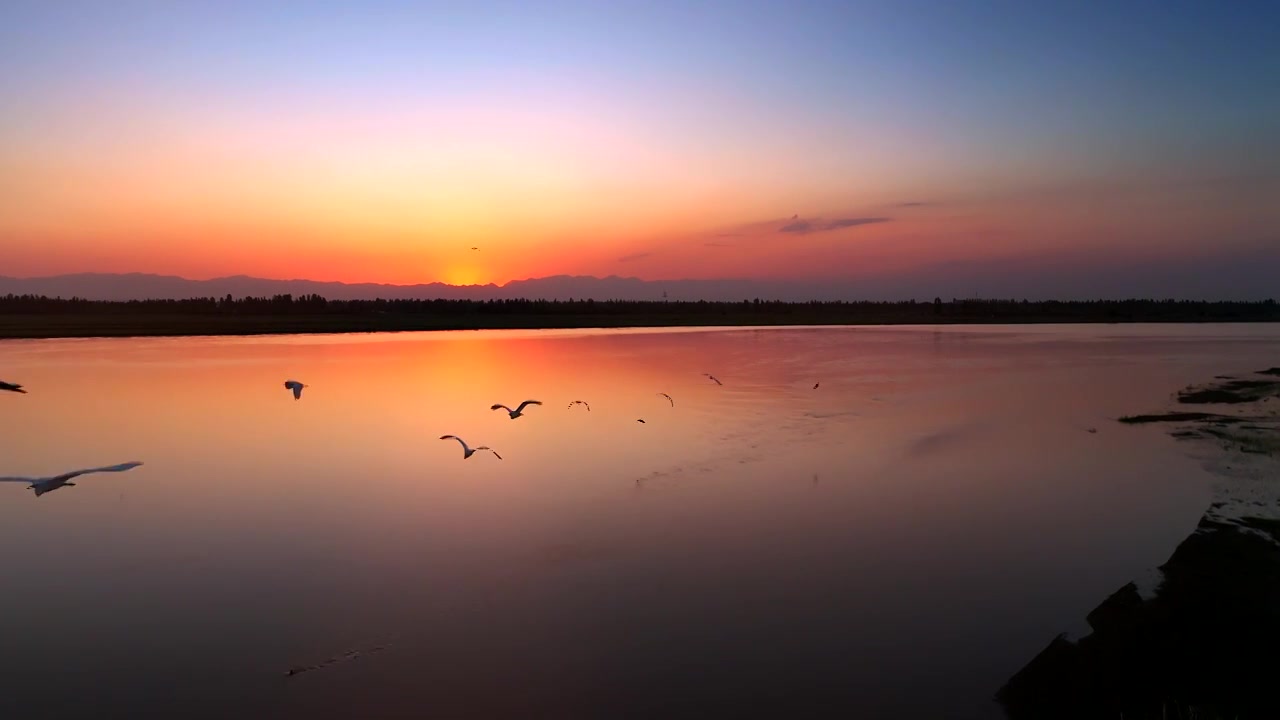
(774, 534)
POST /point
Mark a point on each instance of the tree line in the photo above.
(1151, 310)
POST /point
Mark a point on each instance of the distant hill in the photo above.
(142, 286)
(1242, 277)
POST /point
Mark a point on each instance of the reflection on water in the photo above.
(850, 520)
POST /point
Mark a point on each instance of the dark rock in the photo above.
(1118, 612)
(1206, 641)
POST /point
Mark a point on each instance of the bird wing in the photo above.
(455, 437)
(528, 402)
(297, 392)
(500, 405)
(11, 386)
(668, 397)
(20, 479)
(110, 468)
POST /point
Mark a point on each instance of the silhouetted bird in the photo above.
(296, 387)
(518, 411)
(639, 420)
(12, 387)
(815, 385)
(467, 452)
(49, 484)
(579, 402)
(714, 378)
(668, 397)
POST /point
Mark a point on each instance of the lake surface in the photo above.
(894, 543)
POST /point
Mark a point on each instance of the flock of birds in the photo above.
(42, 485)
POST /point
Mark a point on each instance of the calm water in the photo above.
(895, 543)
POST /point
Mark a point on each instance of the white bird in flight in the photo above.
(713, 378)
(469, 451)
(668, 397)
(579, 402)
(12, 387)
(296, 387)
(49, 484)
(518, 411)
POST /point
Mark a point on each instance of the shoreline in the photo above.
(1203, 645)
(59, 326)
(39, 317)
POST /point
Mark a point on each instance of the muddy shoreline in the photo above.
(1205, 644)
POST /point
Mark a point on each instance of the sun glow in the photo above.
(462, 275)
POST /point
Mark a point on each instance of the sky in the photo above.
(381, 141)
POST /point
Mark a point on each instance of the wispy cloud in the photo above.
(635, 256)
(854, 222)
(915, 203)
(719, 244)
(801, 227)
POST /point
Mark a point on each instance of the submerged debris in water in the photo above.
(1230, 392)
(1177, 417)
(348, 655)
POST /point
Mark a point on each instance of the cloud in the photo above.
(915, 203)
(719, 244)
(801, 227)
(635, 256)
(854, 222)
(797, 226)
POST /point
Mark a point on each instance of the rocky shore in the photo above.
(1207, 643)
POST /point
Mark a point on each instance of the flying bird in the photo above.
(475, 248)
(296, 387)
(714, 378)
(49, 484)
(815, 385)
(639, 420)
(668, 397)
(469, 451)
(12, 387)
(518, 411)
(579, 402)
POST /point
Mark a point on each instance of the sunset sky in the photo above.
(380, 141)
